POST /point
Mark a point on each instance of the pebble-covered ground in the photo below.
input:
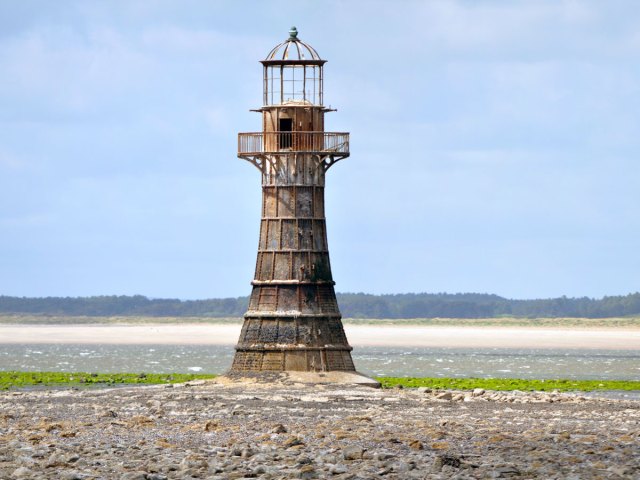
(212, 431)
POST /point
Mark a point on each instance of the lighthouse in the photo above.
(293, 324)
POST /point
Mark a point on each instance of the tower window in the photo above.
(285, 128)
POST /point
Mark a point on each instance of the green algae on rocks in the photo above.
(13, 379)
(506, 384)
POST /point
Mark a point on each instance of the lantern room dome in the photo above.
(293, 73)
(293, 50)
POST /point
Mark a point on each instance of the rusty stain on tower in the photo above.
(293, 322)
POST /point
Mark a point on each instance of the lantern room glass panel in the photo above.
(292, 84)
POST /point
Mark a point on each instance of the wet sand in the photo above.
(358, 335)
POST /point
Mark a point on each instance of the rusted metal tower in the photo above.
(293, 323)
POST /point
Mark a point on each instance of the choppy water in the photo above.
(378, 361)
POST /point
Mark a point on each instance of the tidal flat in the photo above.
(280, 431)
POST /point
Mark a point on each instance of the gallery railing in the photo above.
(255, 143)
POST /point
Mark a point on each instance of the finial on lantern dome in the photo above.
(293, 33)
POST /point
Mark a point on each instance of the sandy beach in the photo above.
(359, 335)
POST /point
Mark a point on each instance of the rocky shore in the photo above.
(211, 431)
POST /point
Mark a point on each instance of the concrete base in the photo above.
(311, 378)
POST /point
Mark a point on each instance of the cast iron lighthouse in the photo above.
(293, 323)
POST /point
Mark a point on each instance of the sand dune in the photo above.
(359, 335)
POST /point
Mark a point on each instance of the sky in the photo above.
(494, 145)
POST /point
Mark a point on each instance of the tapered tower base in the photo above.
(311, 343)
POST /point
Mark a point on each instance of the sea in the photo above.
(376, 361)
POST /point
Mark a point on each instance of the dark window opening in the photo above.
(286, 126)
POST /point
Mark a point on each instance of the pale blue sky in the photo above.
(494, 145)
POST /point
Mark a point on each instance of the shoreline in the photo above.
(597, 338)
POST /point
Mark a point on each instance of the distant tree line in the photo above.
(352, 305)
(122, 305)
(482, 305)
